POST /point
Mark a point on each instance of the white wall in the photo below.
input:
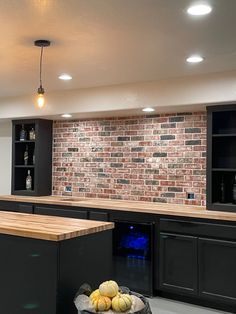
(5, 157)
(185, 94)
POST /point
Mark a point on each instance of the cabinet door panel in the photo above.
(217, 270)
(178, 263)
(71, 213)
(28, 275)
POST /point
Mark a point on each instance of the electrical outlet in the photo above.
(190, 196)
(68, 188)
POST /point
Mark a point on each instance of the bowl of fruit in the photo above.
(110, 298)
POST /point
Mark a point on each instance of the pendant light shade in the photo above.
(40, 93)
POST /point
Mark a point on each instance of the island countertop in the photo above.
(47, 227)
(122, 205)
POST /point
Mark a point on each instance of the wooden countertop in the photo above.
(141, 207)
(48, 227)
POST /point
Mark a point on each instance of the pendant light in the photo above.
(40, 97)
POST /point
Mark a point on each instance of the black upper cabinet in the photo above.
(221, 157)
(39, 161)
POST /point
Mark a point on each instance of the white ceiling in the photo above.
(106, 42)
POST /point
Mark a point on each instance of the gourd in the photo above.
(121, 302)
(109, 288)
(101, 303)
(94, 295)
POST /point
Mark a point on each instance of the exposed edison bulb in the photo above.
(40, 100)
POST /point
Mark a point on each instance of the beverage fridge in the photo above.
(132, 255)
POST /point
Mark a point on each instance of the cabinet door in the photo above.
(51, 211)
(178, 263)
(217, 270)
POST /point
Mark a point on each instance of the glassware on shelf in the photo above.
(222, 190)
(234, 190)
(23, 133)
(26, 156)
(28, 181)
(33, 158)
(32, 134)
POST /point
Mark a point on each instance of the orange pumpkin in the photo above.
(101, 303)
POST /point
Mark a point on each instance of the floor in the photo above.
(164, 306)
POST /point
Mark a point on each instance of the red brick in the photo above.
(175, 170)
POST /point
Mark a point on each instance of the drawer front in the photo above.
(16, 207)
(70, 213)
(9, 206)
(101, 216)
(25, 208)
(198, 228)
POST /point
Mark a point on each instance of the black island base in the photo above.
(42, 277)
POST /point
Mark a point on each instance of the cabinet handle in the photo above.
(30, 306)
(34, 255)
(168, 236)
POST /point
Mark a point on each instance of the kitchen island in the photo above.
(44, 260)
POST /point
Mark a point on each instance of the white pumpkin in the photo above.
(109, 288)
(121, 302)
(137, 304)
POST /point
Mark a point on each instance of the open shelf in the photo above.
(224, 152)
(20, 150)
(224, 135)
(225, 204)
(221, 157)
(28, 126)
(24, 166)
(223, 122)
(20, 178)
(224, 169)
(39, 161)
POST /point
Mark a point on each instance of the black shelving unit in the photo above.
(221, 156)
(40, 166)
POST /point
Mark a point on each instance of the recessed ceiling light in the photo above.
(65, 77)
(148, 109)
(66, 115)
(199, 9)
(194, 59)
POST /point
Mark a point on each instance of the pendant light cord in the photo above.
(40, 67)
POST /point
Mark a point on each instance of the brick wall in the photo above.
(147, 158)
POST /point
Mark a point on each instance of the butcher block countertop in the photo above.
(131, 206)
(48, 227)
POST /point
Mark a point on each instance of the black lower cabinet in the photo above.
(217, 270)
(178, 263)
(42, 277)
(197, 262)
